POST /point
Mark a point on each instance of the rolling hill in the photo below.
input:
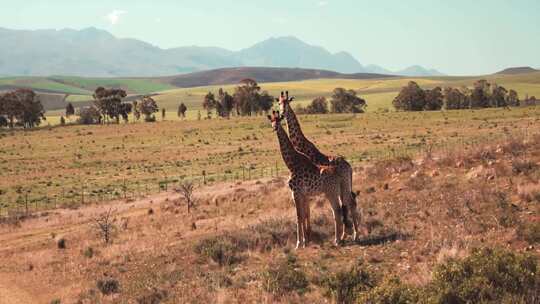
(92, 52)
(517, 70)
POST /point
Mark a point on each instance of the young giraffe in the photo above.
(306, 180)
(342, 167)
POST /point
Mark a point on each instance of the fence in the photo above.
(26, 202)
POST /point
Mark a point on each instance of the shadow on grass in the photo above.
(372, 240)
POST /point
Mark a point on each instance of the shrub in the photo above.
(523, 166)
(486, 276)
(285, 277)
(219, 249)
(89, 116)
(61, 243)
(529, 232)
(154, 297)
(108, 286)
(391, 291)
(88, 252)
(345, 286)
(529, 192)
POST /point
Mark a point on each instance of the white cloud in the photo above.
(322, 3)
(114, 16)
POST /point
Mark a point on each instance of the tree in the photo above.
(147, 107)
(226, 101)
(480, 97)
(454, 99)
(186, 190)
(246, 97)
(89, 116)
(265, 102)
(434, 99)
(318, 105)
(209, 103)
(512, 99)
(109, 103)
(135, 108)
(182, 110)
(410, 98)
(498, 96)
(124, 110)
(69, 110)
(346, 101)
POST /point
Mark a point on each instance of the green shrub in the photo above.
(285, 277)
(391, 291)
(345, 286)
(486, 276)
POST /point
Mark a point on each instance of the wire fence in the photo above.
(25, 202)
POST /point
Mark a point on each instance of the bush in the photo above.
(285, 277)
(108, 286)
(154, 297)
(219, 249)
(529, 232)
(391, 291)
(486, 276)
(89, 116)
(346, 286)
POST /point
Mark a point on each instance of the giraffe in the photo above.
(343, 168)
(306, 180)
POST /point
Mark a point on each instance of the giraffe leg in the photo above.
(333, 197)
(347, 196)
(307, 221)
(298, 203)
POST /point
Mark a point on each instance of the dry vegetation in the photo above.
(424, 214)
(76, 165)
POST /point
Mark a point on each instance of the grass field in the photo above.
(51, 161)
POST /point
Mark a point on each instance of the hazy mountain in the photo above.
(418, 71)
(97, 53)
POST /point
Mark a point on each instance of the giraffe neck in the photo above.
(300, 142)
(291, 157)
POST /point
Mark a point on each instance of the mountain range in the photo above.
(93, 52)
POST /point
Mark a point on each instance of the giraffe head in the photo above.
(283, 100)
(275, 119)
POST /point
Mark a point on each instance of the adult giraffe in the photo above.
(343, 168)
(306, 180)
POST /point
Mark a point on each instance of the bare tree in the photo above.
(104, 223)
(186, 190)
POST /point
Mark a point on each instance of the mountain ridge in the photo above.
(93, 52)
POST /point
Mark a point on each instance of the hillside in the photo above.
(237, 243)
(92, 52)
(517, 70)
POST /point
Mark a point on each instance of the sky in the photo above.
(456, 37)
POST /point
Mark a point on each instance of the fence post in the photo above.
(26, 202)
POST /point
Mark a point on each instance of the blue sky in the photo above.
(455, 37)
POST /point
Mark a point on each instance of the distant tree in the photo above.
(246, 97)
(434, 99)
(480, 94)
(62, 120)
(70, 110)
(512, 99)
(410, 98)
(109, 103)
(147, 107)
(454, 99)
(135, 108)
(182, 110)
(124, 110)
(209, 103)
(226, 102)
(3, 122)
(318, 105)
(265, 102)
(89, 116)
(498, 96)
(346, 101)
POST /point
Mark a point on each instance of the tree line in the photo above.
(482, 95)
(21, 108)
(247, 100)
(341, 101)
